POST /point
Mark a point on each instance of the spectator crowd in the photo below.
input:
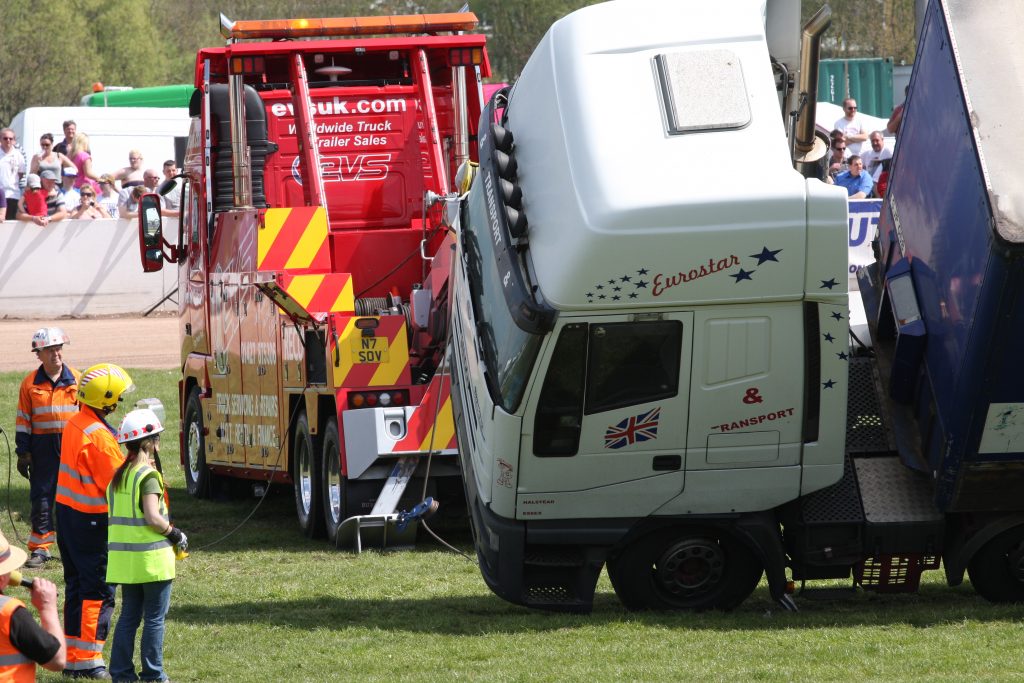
(60, 181)
(862, 172)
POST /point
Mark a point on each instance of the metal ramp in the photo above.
(380, 528)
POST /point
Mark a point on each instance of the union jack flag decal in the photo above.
(633, 430)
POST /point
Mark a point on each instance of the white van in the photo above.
(160, 133)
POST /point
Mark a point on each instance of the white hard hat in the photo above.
(45, 337)
(138, 424)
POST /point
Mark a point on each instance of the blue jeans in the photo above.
(146, 603)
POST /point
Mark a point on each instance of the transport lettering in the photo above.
(754, 421)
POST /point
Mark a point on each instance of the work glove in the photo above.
(178, 539)
(25, 465)
(182, 544)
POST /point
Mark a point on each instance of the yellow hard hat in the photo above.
(103, 384)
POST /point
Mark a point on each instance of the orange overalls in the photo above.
(44, 406)
(89, 457)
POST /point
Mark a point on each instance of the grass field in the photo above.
(264, 604)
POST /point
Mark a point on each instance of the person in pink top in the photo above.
(82, 159)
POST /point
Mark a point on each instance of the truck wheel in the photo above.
(306, 475)
(197, 474)
(997, 570)
(333, 491)
(684, 569)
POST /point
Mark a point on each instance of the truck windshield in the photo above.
(509, 352)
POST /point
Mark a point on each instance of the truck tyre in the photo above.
(198, 477)
(333, 492)
(684, 569)
(997, 570)
(306, 475)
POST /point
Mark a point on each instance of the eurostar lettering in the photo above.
(664, 282)
(754, 421)
(339, 107)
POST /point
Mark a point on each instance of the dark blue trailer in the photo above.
(944, 297)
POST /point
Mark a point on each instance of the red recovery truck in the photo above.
(313, 260)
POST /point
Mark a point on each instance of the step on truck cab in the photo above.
(313, 260)
(652, 370)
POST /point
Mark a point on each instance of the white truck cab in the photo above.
(650, 311)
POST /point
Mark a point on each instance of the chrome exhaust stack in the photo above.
(809, 148)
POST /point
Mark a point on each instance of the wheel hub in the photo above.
(691, 567)
(334, 494)
(305, 481)
(193, 449)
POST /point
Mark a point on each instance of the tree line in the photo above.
(52, 58)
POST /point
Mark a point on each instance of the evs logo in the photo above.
(348, 168)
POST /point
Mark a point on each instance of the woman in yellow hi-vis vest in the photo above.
(140, 550)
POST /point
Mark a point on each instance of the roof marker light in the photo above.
(350, 26)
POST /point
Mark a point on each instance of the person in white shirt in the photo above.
(12, 169)
(875, 158)
(852, 126)
(172, 200)
(71, 196)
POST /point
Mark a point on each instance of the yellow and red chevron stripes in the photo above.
(392, 371)
(326, 293)
(294, 239)
(423, 433)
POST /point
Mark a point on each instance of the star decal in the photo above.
(843, 355)
(766, 255)
(837, 315)
(619, 287)
(830, 283)
(742, 275)
(828, 337)
(829, 384)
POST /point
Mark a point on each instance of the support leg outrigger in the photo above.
(385, 526)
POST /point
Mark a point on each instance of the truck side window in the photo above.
(560, 410)
(631, 363)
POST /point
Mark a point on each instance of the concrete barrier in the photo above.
(79, 268)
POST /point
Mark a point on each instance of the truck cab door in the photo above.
(606, 419)
(231, 262)
(192, 283)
